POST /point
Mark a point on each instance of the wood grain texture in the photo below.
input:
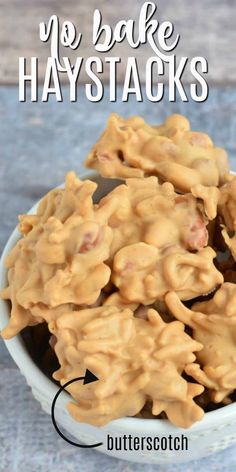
(207, 28)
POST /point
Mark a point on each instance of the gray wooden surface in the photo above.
(207, 28)
(39, 144)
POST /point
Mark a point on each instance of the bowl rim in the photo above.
(41, 382)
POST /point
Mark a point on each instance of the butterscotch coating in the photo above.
(135, 360)
(214, 326)
(115, 299)
(62, 203)
(131, 148)
(154, 214)
(144, 274)
(227, 210)
(142, 311)
(227, 203)
(210, 197)
(60, 259)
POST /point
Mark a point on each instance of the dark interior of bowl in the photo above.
(36, 340)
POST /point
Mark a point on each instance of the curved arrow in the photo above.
(88, 378)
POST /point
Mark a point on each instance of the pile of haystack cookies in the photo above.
(140, 287)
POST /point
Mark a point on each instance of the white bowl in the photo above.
(214, 433)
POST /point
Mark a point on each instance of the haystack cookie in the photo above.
(59, 260)
(227, 211)
(214, 326)
(134, 359)
(144, 274)
(155, 214)
(131, 148)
